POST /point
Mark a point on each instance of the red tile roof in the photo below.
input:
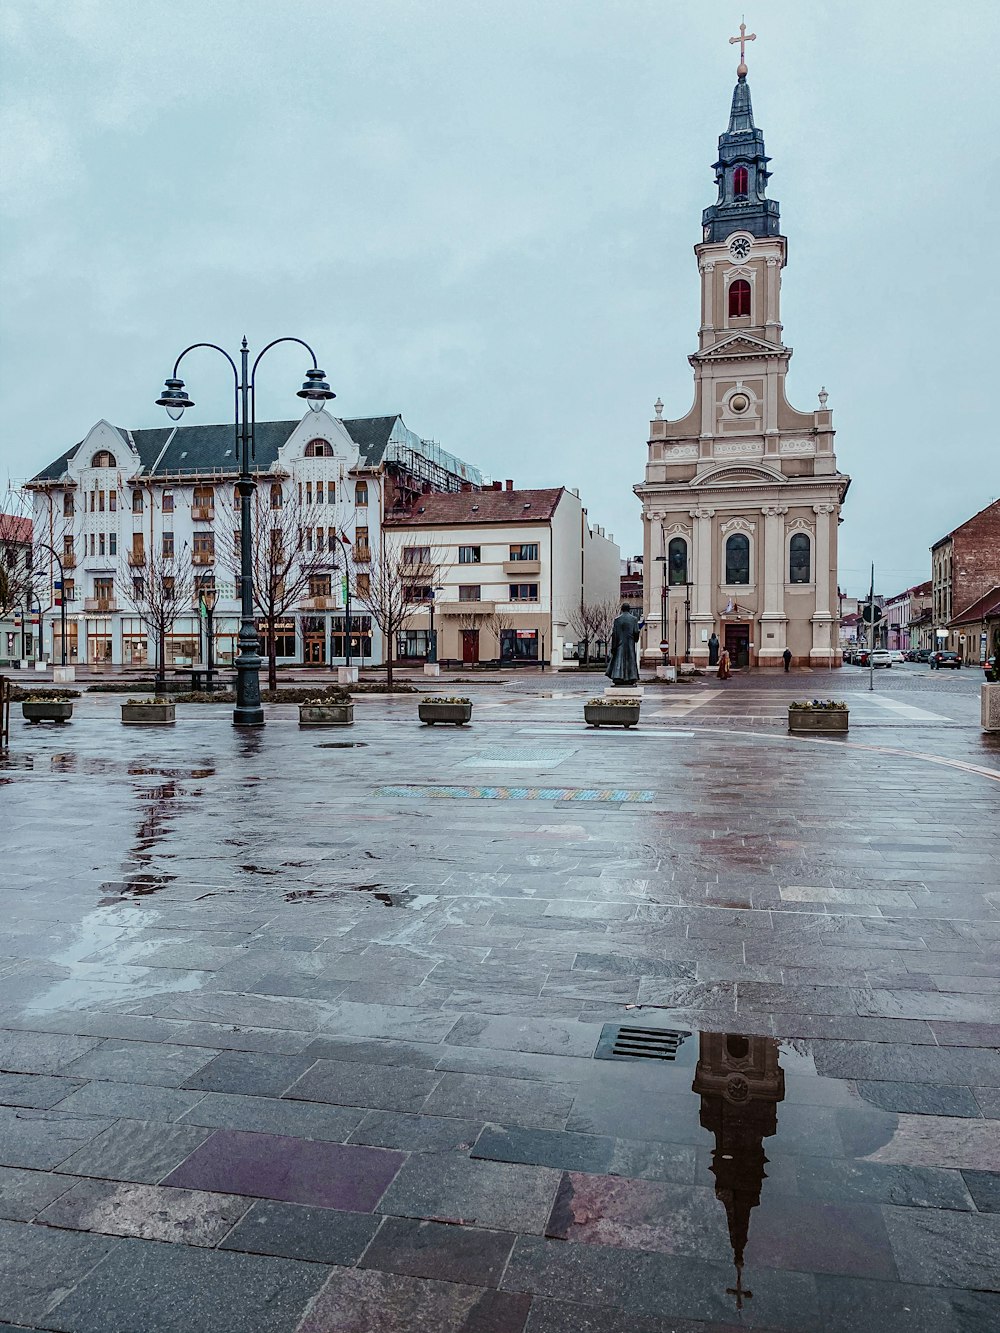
(984, 608)
(15, 529)
(447, 509)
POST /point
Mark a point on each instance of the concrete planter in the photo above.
(326, 715)
(611, 715)
(809, 721)
(989, 696)
(47, 710)
(458, 714)
(149, 715)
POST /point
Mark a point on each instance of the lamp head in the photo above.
(174, 398)
(315, 390)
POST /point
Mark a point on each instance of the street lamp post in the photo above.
(206, 600)
(346, 543)
(432, 647)
(44, 546)
(316, 391)
(687, 621)
(662, 560)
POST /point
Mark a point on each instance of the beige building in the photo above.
(742, 495)
(512, 570)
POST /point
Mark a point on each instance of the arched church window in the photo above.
(799, 559)
(741, 182)
(677, 560)
(319, 449)
(739, 298)
(103, 459)
(738, 558)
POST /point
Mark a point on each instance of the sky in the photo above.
(483, 216)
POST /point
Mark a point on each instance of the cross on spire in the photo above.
(743, 38)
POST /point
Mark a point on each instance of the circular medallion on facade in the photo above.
(739, 403)
(740, 247)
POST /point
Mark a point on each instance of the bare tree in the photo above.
(296, 553)
(17, 567)
(499, 620)
(160, 590)
(399, 583)
(591, 622)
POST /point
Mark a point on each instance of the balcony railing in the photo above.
(362, 554)
(203, 512)
(102, 604)
(317, 603)
(137, 559)
(203, 558)
(68, 560)
(466, 607)
(525, 567)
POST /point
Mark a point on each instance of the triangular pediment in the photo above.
(740, 345)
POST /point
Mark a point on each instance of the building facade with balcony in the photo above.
(130, 509)
(507, 570)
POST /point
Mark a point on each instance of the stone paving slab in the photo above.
(329, 1055)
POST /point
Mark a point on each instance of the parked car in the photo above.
(945, 659)
(922, 655)
(897, 654)
(881, 657)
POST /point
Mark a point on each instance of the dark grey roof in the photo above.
(214, 448)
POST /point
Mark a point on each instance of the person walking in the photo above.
(724, 664)
(786, 657)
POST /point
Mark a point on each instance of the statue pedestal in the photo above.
(623, 692)
(668, 673)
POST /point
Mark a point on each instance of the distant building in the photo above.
(123, 500)
(18, 607)
(901, 616)
(514, 569)
(632, 580)
(965, 568)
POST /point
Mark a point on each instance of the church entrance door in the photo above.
(738, 644)
(470, 645)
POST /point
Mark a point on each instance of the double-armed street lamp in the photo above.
(316, 391)
(432, 643)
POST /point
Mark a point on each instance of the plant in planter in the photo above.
(438, 709)
(155, 712)
(328, 710)
(818, 715)
(611, 712)
(47, 708)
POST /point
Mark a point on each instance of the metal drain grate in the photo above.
(621, 1042)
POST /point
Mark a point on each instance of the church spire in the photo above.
(741, 171)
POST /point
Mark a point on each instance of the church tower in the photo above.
(742, 496)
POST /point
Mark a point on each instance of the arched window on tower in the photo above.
(741, 183)
(677, 561)
(319, 449)
(799, 559)
(737, 559)
(739, 298)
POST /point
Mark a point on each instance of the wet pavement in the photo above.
(518, 1027)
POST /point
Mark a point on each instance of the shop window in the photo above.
(519, 645)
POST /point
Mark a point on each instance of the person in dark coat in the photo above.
(713, 649)
(623, 665)
(786, 657)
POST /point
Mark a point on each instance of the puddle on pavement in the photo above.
(798, 1168)
(342, 745)
(379, 892)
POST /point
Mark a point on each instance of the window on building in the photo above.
(92, 544)
(204, 583)
(524, 551)
(67, 547)
(363, 585)
(418, 592)
(277, 498)
(137, 502)
(738, 558)
(138, 556)
(677, 561)
(741, 182)
(739, 298)
(100, 543)
(319, 585)
(113, 500)
(470, 555)
(412, 643)
(319, 492)
(168, 587)
(361, 494)
(168, 546)
(100, 502)
(69, 590)
(470, 592)
(524, 592)
(168, 502)
(799, 559)
(103, 459)
(104, 589)
(416, 555)
(203, 547)
(138, 587)
(203, 502)
(319, 449)
(309, 492)
(237, 499)
(362, 551)
(277, 547)
(519, 645)
(93, 501)
(320, 539)
(68, 506)
(112, 543)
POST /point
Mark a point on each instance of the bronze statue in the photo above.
(623, 665)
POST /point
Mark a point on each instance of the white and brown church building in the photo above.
(742, 495)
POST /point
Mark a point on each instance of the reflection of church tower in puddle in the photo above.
(741, 1083)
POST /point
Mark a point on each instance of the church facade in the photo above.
(742, 495)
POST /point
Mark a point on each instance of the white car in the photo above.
(897, 655)
(881, 657)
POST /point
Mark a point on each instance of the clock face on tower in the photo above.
(739, 248)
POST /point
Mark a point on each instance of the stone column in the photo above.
(702, 614)
(822, 652)
(773, 620)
